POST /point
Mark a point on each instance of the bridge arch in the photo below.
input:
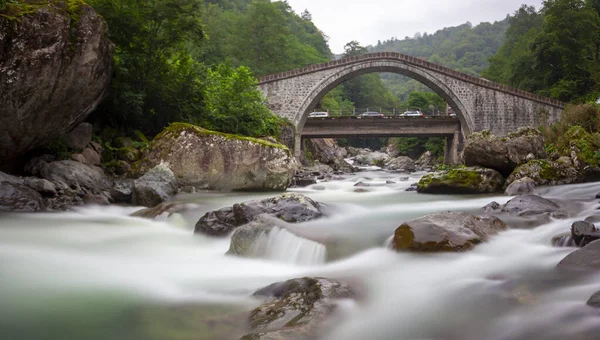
(423, 76)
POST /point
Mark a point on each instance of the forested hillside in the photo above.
(554, 52)
(463, 48)
(196, 61)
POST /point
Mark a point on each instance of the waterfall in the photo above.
(565, 241)
(281, 245)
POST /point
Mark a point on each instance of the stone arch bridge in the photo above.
(479, 104)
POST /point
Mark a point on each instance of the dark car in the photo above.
(370, 114)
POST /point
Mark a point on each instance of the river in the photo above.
(98, 273)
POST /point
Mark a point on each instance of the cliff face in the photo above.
(55, 67)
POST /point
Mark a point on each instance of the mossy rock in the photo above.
(545, 172)
(469, 180)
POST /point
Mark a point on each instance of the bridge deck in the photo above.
(330, 127)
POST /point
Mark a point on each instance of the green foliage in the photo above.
(554, 52)
(234, 104)
(415, 146)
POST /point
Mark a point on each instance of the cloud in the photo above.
(369, 21)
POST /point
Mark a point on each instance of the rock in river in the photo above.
(472, 180)
(296, 309)
(207, 159)
(56, 65)
(155, 187)
(521, 186)
(18, 197)
(289, 207)
(586, 258)
(447, 231)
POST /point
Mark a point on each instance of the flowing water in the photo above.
(98, 273)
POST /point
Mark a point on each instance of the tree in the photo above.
(353, 48)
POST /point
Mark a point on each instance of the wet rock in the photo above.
(412, 187)
(373, 158)
(296, 309)
(594, 300)
(44, 187)
(584, 233)
(20, 198)
(461, 181)
(163, 211)
(563, 240)
(95, 199)
(211, 160)
(491, 207)
(586, 258)
(80, 136)
(155, 187)
(503, 154)
(121, 191)
(326, 151)
(521, 186)
(597, 195)
(593, 219)
(304, 182)
(361, 190)
(402, 163)
(75, 176)
(448, 231)
(528, 205)
(244, 237)
(365, 184)
(55, 70)
(289, 207)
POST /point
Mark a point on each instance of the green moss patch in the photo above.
(15, 9)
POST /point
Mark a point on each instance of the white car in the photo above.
(412, 114)
(318, 114)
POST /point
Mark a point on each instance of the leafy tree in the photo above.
(234, 104)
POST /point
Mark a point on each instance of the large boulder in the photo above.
(401, 163)
(21, 198)
(545, 172)
(426, 161)
(56, 67)
(529, 205)
(447, 231)
(473, 180)
(372, 158)
(326, 151)
(586, 258)
(75, 176)
(503, 154)
(155, 187)
(583, 233)
(296, 309)
(206, 159)
(289, 207)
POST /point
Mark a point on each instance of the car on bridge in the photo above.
(318, 114)
(411, 114)
(370, 114)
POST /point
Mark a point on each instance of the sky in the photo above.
(368, 21)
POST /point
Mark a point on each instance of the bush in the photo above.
(586, 116)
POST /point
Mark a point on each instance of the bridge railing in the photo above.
(386, 111)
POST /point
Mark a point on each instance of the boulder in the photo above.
(402, 163)
(44, 187)
(77, 157)
(56, 64)
(529, 205)
(244, 237)
(326, 151)
(155, 187)
(426, 161)
(583, 233)
(447, 231)
(503, 154)
(75, 176)
(21, 198)
(471, 180)
(594, 300)
(289, 207)
(586, 258)
(121, 191)
(492, 207)
(521, 186)
(296, 309)
(372, 158)
(80, 136)
(545, 172)
(94, 199)
(211, 160)
(91, 156)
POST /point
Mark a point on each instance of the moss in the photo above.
(453, 178)
(16, 9)
(177, 128)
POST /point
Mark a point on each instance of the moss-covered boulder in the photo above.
(503, 154)
(447, 231)
(56, 65)
(583, 148)
(207, 159)
(545, 172)
(296, 309)
(473, 180)
(289, 207)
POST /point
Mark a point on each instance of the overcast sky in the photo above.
(372, 20)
